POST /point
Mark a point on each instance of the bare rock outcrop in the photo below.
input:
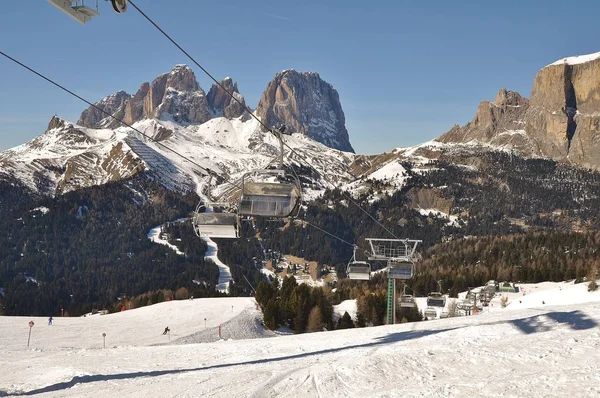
(500, 123)
(221, 103)
(564, 117)
(175, 95)
(561, 121)
(302, 101)
(98, 116)
(305, 104)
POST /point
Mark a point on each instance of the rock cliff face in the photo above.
(175, 95)
(302, 101)
(564, 117)
(115, 104)
(498, 123)
(305, 104)
(222, 104)
(561, 121)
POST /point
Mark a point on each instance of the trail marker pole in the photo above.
(30, 327)
(104, 340)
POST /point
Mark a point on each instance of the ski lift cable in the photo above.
(208, 171)
(230, 94)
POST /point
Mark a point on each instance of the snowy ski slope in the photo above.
(547, 350)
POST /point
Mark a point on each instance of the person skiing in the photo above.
(50, 321)
(167, 330)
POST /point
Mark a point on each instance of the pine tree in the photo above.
(315, 320)
(270, 314)
(345, 322)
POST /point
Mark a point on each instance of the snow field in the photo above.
(548, 351)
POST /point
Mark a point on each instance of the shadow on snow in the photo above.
(534, 324)
(391, 338)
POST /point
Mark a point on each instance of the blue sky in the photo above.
(406, 71)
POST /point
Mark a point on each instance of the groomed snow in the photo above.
(224, 271)
(155, 236)
(547, 350)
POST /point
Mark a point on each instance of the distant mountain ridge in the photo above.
(176, 117)
(301, 100)
(561, 121)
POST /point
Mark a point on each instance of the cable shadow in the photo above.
(391, 338)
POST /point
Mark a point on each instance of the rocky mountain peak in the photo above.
(305, 104)
(301, 100)
(561, 120)
(509, 98)
(97, 116)
(498, 123)
(221, 102)
(55, 123)
(182, 78)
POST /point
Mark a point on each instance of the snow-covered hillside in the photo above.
(69, 157)
(545, 350)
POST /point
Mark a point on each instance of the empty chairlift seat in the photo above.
(407, 301)
(400, 269)
(269, 199)
(436, 299)
(209, 224)
(359, 270)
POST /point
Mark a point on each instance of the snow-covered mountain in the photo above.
(69, 157)
(178, 121)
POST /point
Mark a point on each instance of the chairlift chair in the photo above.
(407, 300)
(358, 270)
(430, 313)
(77, 9)
(210, 221)
(270, 193)
(400, 269)
(436, 299)
(213, 220)
(263, 198)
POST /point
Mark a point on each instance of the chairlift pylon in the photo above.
(358, 270)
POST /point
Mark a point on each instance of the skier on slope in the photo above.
(167, 330)
(50, 321)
